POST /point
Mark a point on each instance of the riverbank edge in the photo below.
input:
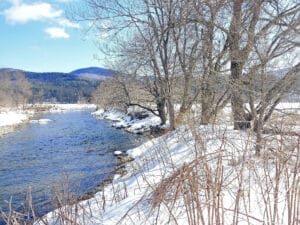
(176, 148)
(6, 129)
(119, 120)
(134, 121)
(143, 128)
(29, 111)
(120, 170)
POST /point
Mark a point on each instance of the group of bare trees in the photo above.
(15, 89)
(209, 53)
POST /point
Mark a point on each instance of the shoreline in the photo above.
(152, 163)
(120, 170)
(33, 114)
(136, 122)
(12, 118)
(12, 126)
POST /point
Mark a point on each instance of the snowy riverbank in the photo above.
(10, 118)
(197, 175)
(209, 171)
(133, 122)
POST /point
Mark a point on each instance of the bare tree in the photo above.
(123, 91)
(150, 20)
(219, 42)
(272, 24)
(15, 89)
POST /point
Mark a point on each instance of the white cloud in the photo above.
(57, 32)
(22, 13)
(68, 23)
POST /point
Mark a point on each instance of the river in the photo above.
(74, 150)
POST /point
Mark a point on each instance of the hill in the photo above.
(93, 73)
(58, 87)
(93, 70)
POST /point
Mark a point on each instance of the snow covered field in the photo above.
(198, 175)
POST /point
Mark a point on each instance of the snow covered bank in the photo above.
(129, 122)
(66, 107)
(10, 118)
(198, 175)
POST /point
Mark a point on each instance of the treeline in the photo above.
(19, 88)
(15, 89)
(60, 87)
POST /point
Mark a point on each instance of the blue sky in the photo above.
(36, 36)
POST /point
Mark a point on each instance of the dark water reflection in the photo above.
(74, 147)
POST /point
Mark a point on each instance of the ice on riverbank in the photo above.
(128, 121)
(41, 121)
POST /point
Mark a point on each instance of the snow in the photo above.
(288, 105)
(68, 107)
(215, 154)
(118, 153)
(41, 121)
(121, 120)
(211, 153)
(10, 118)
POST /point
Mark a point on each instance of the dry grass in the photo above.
(204, 188)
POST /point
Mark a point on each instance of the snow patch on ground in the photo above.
(68, 107)
(10, 118)
(124, 121)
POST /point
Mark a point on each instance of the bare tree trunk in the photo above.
(162, 111)
(258, 127)
(237, 56)
(206, 101)
(206, 114)
(186, 93)
(237, 103)
(171, 113)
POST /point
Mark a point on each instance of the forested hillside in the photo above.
(60, 87)
(14, 88)
(19, 87)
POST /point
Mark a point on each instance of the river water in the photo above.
(73, 148)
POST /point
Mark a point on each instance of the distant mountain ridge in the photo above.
(72, 87)
(81, 71)
(93, 70)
